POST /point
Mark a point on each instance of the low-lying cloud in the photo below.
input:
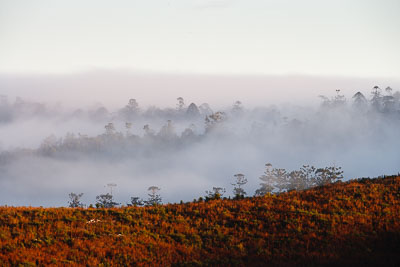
(48, 152)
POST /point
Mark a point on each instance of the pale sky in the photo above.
(314, 37)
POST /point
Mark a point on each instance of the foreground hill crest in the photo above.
(351, 223)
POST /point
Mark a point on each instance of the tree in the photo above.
(136, 202)
(238, 191)
(110, 129)
(168, 131)
(280, 179)
(192, 111)
(339, 99)
(214, 119)
(154, 198)
(205, 109)
(326, 102)
(376, 99)
(327, 175)
(388, 90)
(268, 181)
(181, 104)
(388, 101)
(131, 109)
(75, 200)
(296, 181)
(216, 193)
(105, 201)
(359, 101)
(189, 132)
(148, 131)
(307, 173)
(237, 107)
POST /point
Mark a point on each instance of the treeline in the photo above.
(199, 121)
(273, 181)
(383, 101)
(380, 100)
(355, 223)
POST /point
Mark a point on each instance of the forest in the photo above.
(48, 152)
(339, 224)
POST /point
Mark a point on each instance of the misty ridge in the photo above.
(189, 148)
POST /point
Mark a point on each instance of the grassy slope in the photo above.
(353, 223)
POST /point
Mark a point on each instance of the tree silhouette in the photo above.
(268, 181)
(110, 128)
(238, 191)
(154, 197)
(136, 202)
(376, 99)
(216, 193)
(359, 100)
(105, 201)
(181, 104)
(75, 201)
(193, 111)
(327, 175)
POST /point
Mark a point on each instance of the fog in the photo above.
(53, 139)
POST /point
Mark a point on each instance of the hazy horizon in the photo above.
(112, 88)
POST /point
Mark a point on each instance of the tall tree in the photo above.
(181, 104)
(359, 101)
(154, 197)
(240, 181)
(376, 99)
(268, 181)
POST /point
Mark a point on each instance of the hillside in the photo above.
(351, 223)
